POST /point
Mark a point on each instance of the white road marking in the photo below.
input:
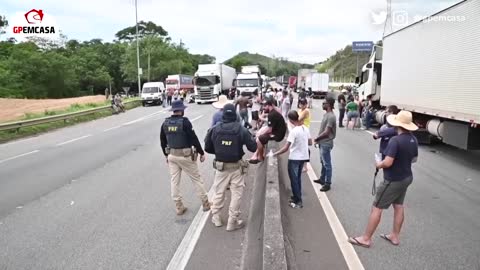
(371, 133)
(196, 118)
(143, 118)
(74, 140)
(315, 121)
(72, 203)
(349, 253)
(112, 128)
(189, 241)
(22, 155)
(17, 141)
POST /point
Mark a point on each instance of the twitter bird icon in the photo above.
(379, 17)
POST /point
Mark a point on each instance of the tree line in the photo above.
(44, 68)
(270, 66)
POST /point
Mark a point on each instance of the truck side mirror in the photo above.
(357, 80)
(369, 65)
(234, 82)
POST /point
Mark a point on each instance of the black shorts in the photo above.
(269, 137)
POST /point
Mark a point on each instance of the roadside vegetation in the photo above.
(13, 134)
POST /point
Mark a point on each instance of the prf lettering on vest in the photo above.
(227, 143)
(172, 129)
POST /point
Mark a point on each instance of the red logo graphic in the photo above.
(34, 16)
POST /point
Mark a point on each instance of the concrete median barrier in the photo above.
(264, 246)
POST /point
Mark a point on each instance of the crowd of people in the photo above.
(231, 130)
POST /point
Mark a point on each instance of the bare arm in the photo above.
(282, 150)
(324, 134)
(386, 163)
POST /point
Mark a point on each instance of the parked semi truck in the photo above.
(319, 84)
(179, 81)
(282, 80)
(302, 77)
(212, 80)
(432, 69)
(292, 82)
(249, 81)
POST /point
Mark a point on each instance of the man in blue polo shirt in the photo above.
(386, 132)
(401, 152)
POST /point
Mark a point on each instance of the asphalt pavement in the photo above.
(441, 216)
(97, 196)
(94, 196)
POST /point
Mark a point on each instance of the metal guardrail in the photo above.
(54, 118)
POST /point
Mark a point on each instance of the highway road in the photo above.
(441, 219)
(97, 196)
(94, 196)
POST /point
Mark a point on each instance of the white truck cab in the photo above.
(152, 93)
(370, 81)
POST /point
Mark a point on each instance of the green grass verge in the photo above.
(9, 135)
(73, 108)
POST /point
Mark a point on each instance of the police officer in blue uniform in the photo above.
(180, 146)
(226, 141)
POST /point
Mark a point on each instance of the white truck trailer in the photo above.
(431, 68)
(302, 78)
(319, 84)
(211, 80)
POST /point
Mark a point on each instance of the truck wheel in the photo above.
(143, 104)
(199, 103)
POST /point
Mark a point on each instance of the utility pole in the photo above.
(148, 76)
(138, 51)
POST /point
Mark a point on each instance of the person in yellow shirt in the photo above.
(304, 117)
(304, 113)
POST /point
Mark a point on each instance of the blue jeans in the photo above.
(295, 173)
(326, 160)
(368, 119)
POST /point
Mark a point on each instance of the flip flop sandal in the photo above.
(355, 242)
(254, 161)
(384, 236)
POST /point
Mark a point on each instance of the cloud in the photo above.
(304, 30)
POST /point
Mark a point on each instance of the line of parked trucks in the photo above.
(212, 80)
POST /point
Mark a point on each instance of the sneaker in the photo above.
(296, 205)
(235, 224)
(325, 188)
(206, 205)
(319, 181)
(217, 220)
(180, 208)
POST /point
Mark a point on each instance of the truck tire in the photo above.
(143, 104)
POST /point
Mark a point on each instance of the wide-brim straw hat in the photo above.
(222, 101)
(402, 119)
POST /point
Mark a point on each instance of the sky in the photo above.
(307, 31)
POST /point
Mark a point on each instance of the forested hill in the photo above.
(41, 68)
(271, 66)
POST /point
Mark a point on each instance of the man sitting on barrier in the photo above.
(275, 130)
